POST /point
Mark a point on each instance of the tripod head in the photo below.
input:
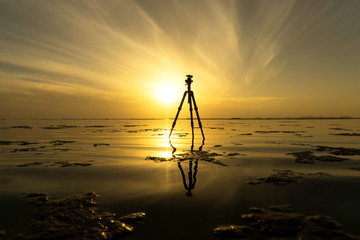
(188, 81)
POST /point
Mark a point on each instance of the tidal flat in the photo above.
(121, 178)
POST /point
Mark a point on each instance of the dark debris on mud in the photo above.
(16, 143)
(146, 130)
(281, 223)
(56, 164)
(191, 155)
(60, 142)
(23, 127)
(346, 134)
(76, 217)
(101, 144)
(283, 177)
(309, 157)
(59, 127)
(342, 151)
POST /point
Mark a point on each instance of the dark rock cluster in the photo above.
(283, 177)
(281, 223)
(76, 217)
(309, 157)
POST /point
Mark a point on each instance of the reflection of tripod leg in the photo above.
(198, 117)
(177, 114)
(192, 120)
(190, 179)
(195, 172)
(183, 176)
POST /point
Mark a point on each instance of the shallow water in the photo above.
(63, 157)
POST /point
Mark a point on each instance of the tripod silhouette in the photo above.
(191, 100)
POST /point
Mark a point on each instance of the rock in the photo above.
(233, 231)
(346, 134)
(101, 144)
(191, 155)
(76, 217)
(158, 159)
(281, 177)
(60, 142)
(59, 127)
(339, 150)
(30, 164)
(25, 127)
(55, 164)
(75, 165)
(323, 227)
(233, 154)
(270, 224)
(133, 217)
(309, 157)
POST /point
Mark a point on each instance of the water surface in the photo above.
(109, 157)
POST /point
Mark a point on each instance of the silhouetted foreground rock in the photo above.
(76, 217)
(271, 224)
(282, 177)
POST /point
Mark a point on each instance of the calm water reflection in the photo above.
(63, 157)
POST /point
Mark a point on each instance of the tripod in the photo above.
(191, 100)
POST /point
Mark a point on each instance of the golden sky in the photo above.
(124, 59)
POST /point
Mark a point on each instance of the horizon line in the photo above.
(205, 118)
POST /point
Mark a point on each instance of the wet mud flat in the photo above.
(133, 168)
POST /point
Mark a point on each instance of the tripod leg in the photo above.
(192, 120)
(177, 114)
(198, 117)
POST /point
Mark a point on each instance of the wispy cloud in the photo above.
(122, 48)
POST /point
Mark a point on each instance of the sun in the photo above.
(166, 93)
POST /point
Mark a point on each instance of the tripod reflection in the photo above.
(191, 176)
(190, 184)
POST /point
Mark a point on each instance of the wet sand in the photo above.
(310, 165)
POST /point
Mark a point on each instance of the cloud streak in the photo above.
(256, 49)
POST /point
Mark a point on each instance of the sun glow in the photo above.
(166, 93)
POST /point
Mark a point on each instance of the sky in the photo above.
(129, 59)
